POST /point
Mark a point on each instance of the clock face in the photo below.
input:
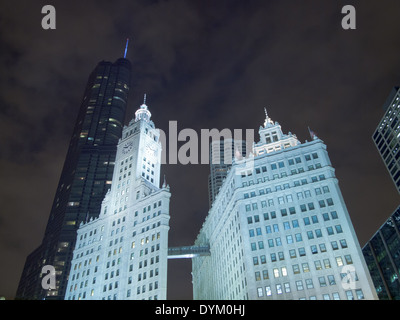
(127, 147)
(151, 151)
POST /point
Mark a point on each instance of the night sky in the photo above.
(205, 64)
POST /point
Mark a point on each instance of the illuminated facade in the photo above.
(122, 254)
(279, 228)
(85, 178)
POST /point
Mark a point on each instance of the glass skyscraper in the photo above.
(387, 136)
(382, 251)
(382, 255)
(86, 176)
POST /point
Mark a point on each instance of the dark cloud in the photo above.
(206, 64)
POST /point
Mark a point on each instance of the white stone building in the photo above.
(123, 253)
(279, 228)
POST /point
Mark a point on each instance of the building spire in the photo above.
(268, 120)
(126, 48)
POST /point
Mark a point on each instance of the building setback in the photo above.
(122, 254)
(85, 178)
(279, 228)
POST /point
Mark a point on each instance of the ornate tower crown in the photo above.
(143, 113)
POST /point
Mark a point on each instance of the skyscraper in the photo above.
(382, 251)
(279, 228)
(221, 154)
(85, 178)
(387, 136)
(382, 255)
(122, 254)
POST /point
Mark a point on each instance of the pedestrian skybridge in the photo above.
(188, 252)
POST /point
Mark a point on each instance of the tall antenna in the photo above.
(126, 47)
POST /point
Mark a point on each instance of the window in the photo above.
(314, 249)
(287, 287)
(253, 246)
(276, 272)
(279, 289)
(331, 280)
(349, 295)
(322, 281)
(270, 243)
(343, 243)
(259, 292)
(268, 291)
(258, 275)
(286, 225)
(339, 261)
(296, 269)
(299, 285)
(263, 259)
(348, 259)
(359, 294)
(338, 228)
(325, 216)
(305, 267)
(255, 261)
(309, 284)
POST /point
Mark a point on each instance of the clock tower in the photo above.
(140, 145)
(130, 237)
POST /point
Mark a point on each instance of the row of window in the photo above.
(323, 203)
(296, 183)
(281, 164)
(279, 289)
(300, 195)
(258, 261)
(314, 249)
